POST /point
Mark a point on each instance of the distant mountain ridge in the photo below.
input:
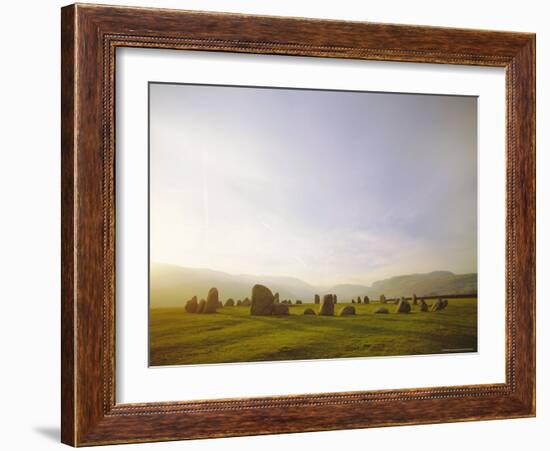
(172, 285)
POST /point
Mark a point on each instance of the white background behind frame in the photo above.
(138, 383)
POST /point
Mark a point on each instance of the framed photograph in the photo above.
(278, 225)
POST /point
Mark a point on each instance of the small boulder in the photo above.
(327, 306)
(192, 305)
(381, 310)
(403, 306)
(309, 311)
(262, 301)
(230, 302)
(348, 310)
(212, 301)
(280, 310)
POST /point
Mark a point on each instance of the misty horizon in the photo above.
(329, 187)
(290, 276)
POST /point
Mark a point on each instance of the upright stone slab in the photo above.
(382, 299)
(437, 305)
(317, 299)
(366, 300)
(423, 306)
(212, 301)
(414, 299)
(262, 301)
(230, 302)
(403, 306)
(200, 307)
(192, 305)
(327, 306)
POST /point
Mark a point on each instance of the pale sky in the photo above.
(326, 186)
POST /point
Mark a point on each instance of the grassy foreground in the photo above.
(232, 335)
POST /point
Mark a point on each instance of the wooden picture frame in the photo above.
(90, 36)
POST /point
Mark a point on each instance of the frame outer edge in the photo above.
(525, 263)
(68, 241)
(86, 419)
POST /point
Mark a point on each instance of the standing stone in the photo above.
(381, 310)
(317, 299)
(309, 311)
(445, 303)
(359, 299)
(423, 306)
(403, 306)
(347, 310)
(353, 301)
(230, 302)
(289, 302)
(200, 307)
(246, 302)
(366, 300)
(212, 301)
(335, 299)
(298, 302)
(192, 305)
(276, 297)
(382, 299)
(280, 310)
(414, 299)
(262, 301)
(437, 305)
(327, 306)
(239, 303)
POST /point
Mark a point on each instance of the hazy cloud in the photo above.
(330, 187)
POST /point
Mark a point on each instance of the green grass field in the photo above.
(232, 335)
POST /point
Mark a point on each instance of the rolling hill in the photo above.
(172, 285)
